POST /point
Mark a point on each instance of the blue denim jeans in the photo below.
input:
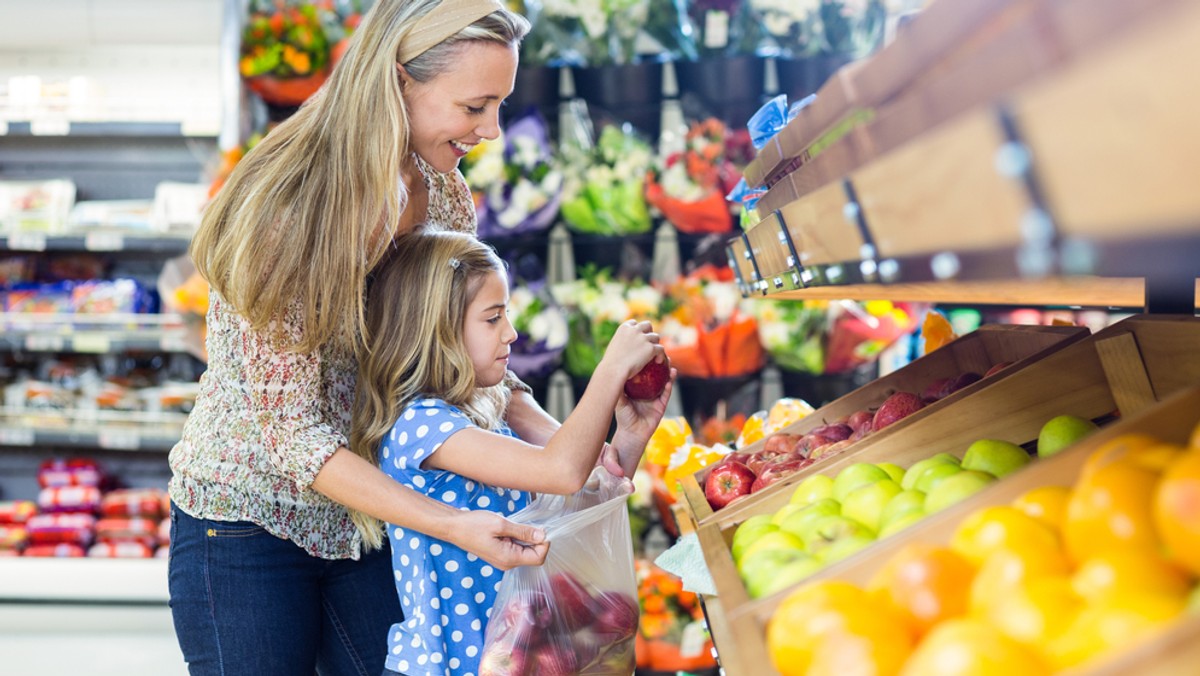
(245, 602)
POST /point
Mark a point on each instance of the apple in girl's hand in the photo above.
(650, 382)
(727, 482)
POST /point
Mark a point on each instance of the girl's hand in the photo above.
(636, 422)
(632, 347)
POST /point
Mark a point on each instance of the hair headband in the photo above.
(444, 20)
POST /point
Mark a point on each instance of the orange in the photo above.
(1122, 571)
(835, 627)
(1045, 503)
(937, 331)
(971, 647)
(1035, 612)
(1177, 510)
(923, 584)
(1141, 449)
(1000, 527)
(1110, 508)
(1114, 623)
(1006, 569)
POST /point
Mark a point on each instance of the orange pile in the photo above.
(1059, 578)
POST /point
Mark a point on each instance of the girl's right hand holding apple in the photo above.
(631, 348)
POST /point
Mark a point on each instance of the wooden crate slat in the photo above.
(1126, 373)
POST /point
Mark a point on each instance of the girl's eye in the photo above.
(495, 319)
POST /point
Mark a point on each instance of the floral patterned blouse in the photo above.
(266, 420)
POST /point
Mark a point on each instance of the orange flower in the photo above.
(654, 604)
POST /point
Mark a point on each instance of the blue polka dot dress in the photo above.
(446, 593)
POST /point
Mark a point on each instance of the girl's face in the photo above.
(487, 332)
(454, 111)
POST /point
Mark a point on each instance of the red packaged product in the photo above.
(13, 537)
(164, 533)
(16, 511)
(9, 553)
(69, 499)
(125, 529)
(61, 550)
(49, 529)
(145, 502)
(73, 472)
(121, 550)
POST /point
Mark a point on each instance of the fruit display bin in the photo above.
(1174, 650)
(975, 352)
(1127, 368)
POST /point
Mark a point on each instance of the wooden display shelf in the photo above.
(977, 351)
(1133, 365)
(1076, 174)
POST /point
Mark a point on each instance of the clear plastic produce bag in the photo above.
(578, 613)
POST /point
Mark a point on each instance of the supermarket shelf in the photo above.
(93, 334)
(111, 430)
(111, 128)
(83, 581)
(99, 240)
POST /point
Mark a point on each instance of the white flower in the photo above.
(775, 335)
(723, 298)
(643, 486)
(488, 171)
(550, 326)
(610, 308)
(643, 300)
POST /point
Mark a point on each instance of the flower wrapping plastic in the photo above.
(578, 613)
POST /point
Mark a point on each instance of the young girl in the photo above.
(430, 400)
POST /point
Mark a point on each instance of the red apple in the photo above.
(962, 380)
(650, 381)
(896, 407)
(936, 389)
(617, 618)
(830, 449)
(833, 431)
(726, 482)
(778, 443)
(572, 600)
(555, 659)
(997, 367)
(764, 458)
(618, 658)
(777, 471)
(860, 420)
(502, 660)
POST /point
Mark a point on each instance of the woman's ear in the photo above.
(404, 76)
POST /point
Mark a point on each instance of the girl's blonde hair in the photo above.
(417, 298)
(307, 214)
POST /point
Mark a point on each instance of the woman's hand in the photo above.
(500, 542)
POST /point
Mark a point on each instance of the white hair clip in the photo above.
(454, 263)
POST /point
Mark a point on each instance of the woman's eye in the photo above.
(476, 111)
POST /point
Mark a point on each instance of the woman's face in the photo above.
(456, 110)
(487, 331)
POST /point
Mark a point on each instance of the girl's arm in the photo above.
(566, 460)
(529, 420)
(348, 479)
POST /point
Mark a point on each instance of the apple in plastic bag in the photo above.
(572, 600)
(556, 658)
(618, 616)
(503, 660)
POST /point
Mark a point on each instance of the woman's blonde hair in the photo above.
(307, 214)
(417, 298)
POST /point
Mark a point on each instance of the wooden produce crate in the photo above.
(1133, 365)
(976, 351)
(1173, 420)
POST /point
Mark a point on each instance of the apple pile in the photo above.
(565, 629)
(743, 473)
(827, 519)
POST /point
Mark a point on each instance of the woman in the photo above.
(275, 564)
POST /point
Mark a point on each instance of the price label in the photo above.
(94, 343)
(104, 241)
(16, 436)
(716, 28)
(41, 342)
(27, 241)
(120, 440)
(50, 127)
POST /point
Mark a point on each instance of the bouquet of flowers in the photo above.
(822, 337)
(601, 32)
(689, 187)
(603, 185)
(672, 632)
(341, 20)
(799, 28)
(708, 330)
(517, 189)
(285, 54)
(596, 304)
(542, 332)
(727, 27)
(793, 26)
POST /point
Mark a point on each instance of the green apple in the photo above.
(1062, 431)
(776, 539)
(912, 473)
(858, 474)
(789, 574)
(829, 529)
(812, 489)
(844, 547)
(798, 523)
(901, 522)
(785, 511)
(893, 470)
(956, 489)
(949, 457)
(934, 475)
(747, 533)
(865, 504)
(996, 457)
(759, 567)
(902, 503)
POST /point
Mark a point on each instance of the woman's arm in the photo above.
(349, 480)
